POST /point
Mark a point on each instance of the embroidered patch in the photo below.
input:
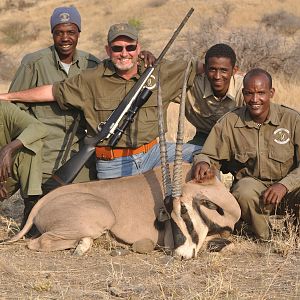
(151, 82)
(281, 136)
(64, 17)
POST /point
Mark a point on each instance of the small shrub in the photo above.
(254, 46)
(20, 4)
(282, 21)
(157, 3)
(138, 24)
(18, 32)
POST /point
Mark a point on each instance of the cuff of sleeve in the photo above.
(287, 183)
(56, 94)
(201, 157)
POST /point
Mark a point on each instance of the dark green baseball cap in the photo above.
(122, 29)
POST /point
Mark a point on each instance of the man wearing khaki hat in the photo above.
(99, 91)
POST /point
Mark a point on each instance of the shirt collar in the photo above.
(231, 93)
(58, 61)
(246, 120)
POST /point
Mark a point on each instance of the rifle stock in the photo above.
(67, 172)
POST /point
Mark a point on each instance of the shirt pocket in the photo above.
(148, 112)
(281, 161)
(104, 107)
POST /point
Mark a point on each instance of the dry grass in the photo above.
(247, 270)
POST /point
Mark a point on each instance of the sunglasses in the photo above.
(128, 48)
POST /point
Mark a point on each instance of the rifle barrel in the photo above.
(175, 34)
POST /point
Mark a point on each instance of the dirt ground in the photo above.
(246, 270)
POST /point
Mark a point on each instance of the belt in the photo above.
(108, 153)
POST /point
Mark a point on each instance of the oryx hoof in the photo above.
(83, 246)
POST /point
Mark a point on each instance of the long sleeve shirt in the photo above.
(269, 152)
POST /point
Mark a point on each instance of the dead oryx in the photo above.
(130, 209)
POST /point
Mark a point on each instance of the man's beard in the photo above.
(122, 67)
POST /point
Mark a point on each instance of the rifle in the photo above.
(136, 97)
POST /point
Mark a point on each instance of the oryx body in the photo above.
(73, 215)
(128, 207)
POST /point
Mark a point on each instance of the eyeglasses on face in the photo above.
(128, 48)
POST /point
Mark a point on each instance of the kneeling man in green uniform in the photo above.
(20, 153)
(260, 145)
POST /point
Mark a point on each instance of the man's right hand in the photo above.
(202, 171)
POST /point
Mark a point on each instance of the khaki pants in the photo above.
(247, 191)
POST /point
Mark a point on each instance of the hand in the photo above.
(6, 160)
(202, 172)
(147, 57)
(274, 194)
(5, 163)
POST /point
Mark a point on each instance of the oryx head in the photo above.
(188, 228)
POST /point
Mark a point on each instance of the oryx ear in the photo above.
(203, 200)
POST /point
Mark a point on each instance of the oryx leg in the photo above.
(50, 241)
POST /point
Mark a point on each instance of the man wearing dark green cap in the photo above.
(99, 91)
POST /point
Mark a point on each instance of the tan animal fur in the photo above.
(73, 215)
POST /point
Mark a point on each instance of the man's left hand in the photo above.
(274, 194)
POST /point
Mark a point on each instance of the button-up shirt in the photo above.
(99, 91)
(203, 109)
(269, 152)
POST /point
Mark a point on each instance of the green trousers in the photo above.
(248, 192)
(26, 174)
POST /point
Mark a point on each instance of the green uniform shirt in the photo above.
(203, 109)
(270, 152)
(99, 91)
(16, 124)
(41, 68)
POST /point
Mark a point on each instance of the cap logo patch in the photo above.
(64, 17)
(281, 136)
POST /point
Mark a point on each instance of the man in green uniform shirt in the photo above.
(214, 92)
(58, 62)
(260, 144)
(20, 153)
(99, 91)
